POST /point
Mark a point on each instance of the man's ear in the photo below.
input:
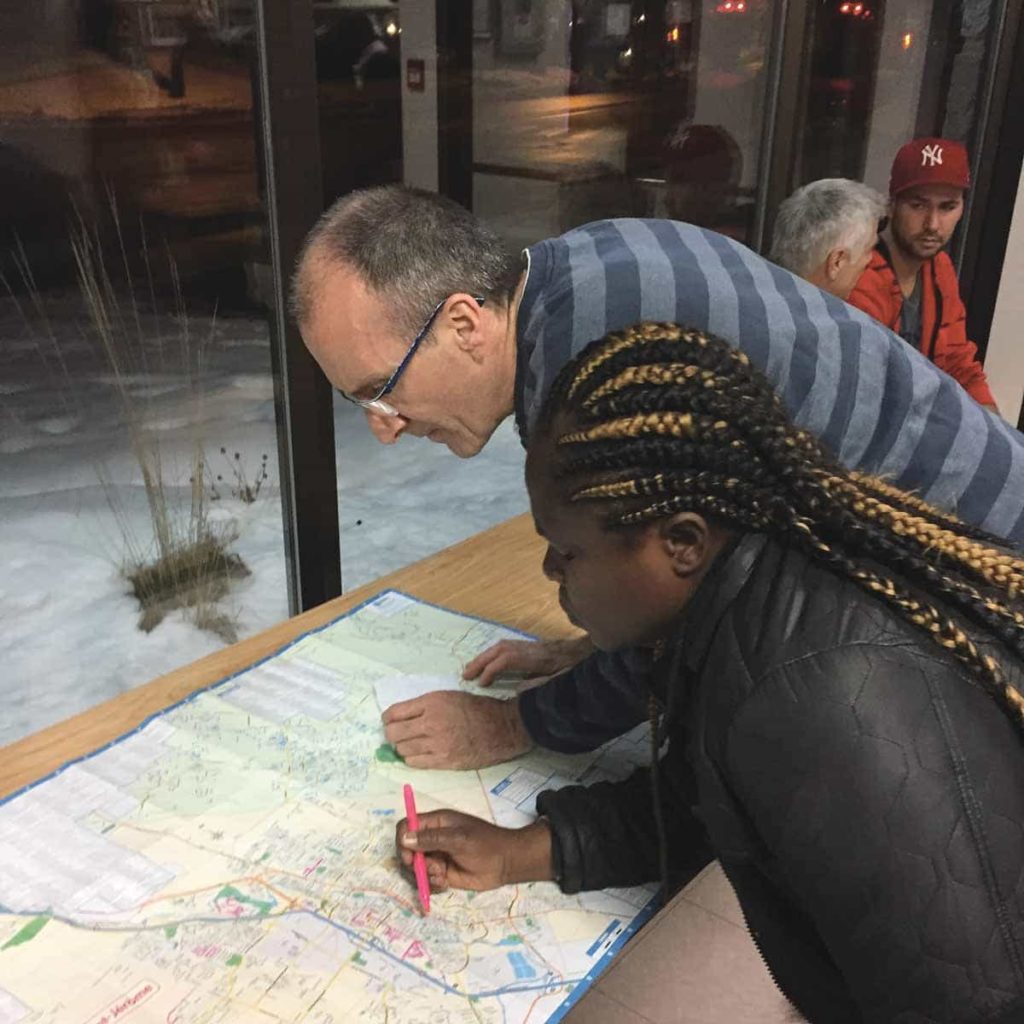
(463, 316)
(686, 540)
(834, 262)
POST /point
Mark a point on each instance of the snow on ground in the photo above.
(70, 489)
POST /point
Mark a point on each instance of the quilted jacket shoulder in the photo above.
(864, 794)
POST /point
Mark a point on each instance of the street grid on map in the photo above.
(233, 859)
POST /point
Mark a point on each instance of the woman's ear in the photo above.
(687, 540)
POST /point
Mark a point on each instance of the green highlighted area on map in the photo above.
(28, 933)
(234, 960)
(229, 892)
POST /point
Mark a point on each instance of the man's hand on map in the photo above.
(528, 658)
(452, 729)
(463, 852)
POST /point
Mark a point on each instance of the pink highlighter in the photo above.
(419, 862)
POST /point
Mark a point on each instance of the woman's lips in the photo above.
(566, 604)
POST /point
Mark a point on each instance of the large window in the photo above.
(139, 496)
(597, 109)
(144, 249)
(878, 73)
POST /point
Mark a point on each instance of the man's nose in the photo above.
(387, 429)
(931, 220)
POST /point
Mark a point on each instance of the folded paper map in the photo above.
(232, 860)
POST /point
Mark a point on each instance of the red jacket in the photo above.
(943, 317)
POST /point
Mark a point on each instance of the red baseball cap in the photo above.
(930, 162)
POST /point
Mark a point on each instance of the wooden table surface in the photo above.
(495, 575)
(695, 954)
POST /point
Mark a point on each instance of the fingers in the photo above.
(437, 874)
(417, 746)
(404, 710)
(479, 664)
(440, 832)
(400, 733)
(427, 762)
(497, 667)
(499, 658)
(437, 867)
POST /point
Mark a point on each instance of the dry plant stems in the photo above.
(241, 487)
(188, 564)
(191, 567)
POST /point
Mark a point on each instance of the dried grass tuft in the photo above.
(186, 563)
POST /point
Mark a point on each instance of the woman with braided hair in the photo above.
(836, 712)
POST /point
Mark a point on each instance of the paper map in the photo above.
(232, 860)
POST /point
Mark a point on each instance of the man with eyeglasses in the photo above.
(419, 313)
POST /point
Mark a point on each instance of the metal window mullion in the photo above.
(788, 49)
(303, 401)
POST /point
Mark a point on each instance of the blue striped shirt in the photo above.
(879, 405)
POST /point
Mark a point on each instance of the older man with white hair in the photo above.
(826, 232)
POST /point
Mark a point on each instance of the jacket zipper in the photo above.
(768, 967)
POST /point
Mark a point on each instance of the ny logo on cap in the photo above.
(931, 155)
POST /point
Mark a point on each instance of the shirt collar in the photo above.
(533, 271)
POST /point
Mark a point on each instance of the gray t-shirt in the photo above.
(910, 316)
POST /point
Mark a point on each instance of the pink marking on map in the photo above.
(126, 1004)
(230, 907)
(367, 918)
(415, 950)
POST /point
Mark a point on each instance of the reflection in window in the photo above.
(142, 523)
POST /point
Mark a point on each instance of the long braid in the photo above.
(663, 419)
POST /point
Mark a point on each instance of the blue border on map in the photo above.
(581, 986)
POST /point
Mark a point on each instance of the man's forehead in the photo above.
(931, 194)
(340, 292)
(345, 326)
(345, 313)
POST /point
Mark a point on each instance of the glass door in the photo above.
(877, 74)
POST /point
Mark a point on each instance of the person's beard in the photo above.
(922, 246)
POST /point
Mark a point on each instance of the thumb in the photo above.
(449, 840)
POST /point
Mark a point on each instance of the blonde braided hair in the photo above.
(665, 418)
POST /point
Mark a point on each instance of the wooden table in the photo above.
(495, 575)
(693, 963)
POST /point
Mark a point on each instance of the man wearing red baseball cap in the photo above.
(910, 284)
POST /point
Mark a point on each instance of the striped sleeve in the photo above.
(870, 397)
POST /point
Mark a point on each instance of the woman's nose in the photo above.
(551, 567)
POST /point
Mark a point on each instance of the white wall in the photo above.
(521, 106)
(731, 48)
(897, 87)
(1004, 361)
(419, 109)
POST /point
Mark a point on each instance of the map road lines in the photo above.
(232, 861)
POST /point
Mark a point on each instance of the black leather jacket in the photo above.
(864, 795)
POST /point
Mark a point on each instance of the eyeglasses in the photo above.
(376, 404)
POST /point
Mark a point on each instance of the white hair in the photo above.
(833, 213)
